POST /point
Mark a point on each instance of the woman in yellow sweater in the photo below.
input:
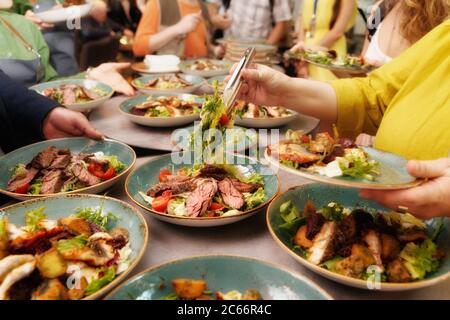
(406, 103)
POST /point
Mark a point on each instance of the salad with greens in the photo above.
(66, 259)
(360, 243)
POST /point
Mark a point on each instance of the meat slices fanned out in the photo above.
(44, 158)
(52, 181)
(78, 170)
(61, 161)
(200, 199)
(22, 179)
(230, 195)
(176, 187)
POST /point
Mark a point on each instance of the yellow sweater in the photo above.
(406, 100)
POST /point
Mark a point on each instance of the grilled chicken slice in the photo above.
(357, 263)
(322, 143)
(373, 241)
(293, 152)
(390, 247)
(96, 253)
(13, 269)
(324, 243)
(397, 272)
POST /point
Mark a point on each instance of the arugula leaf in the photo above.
(33, 219)
(77, 242)
(96, 216)
(96, 284)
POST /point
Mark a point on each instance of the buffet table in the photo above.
(249, 238)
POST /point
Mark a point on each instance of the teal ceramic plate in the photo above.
(222, 273)
(145, 176)
(76, 145)
(393, 173)
(103, 89)
(223, 68)
(63, 206)
(195, 81)
(321, 195)
(237, 139)
(126, 106)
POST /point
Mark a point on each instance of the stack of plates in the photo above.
(265, 54)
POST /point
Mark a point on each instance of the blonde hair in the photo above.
(420, 16)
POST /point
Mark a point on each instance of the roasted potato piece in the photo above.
(51, 264)
(390, 247)
(77, 225)
(397, 272)
(50, 289)
(301, 240)
(78, 293)
(252, 295)
(189, 288)
(3, 238)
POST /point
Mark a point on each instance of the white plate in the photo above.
(68, 14)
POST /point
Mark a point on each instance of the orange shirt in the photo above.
(194, 44)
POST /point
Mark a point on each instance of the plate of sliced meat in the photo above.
(69, 165)
(78, 95)
(176, 189)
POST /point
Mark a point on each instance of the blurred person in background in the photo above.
(126, 13)
(25, 55)
(323, 23)
(97, 25)
(173, 27)
(258, 20)
(219, 17)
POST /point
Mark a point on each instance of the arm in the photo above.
(277, 33)
(44, 51)
(346, 12)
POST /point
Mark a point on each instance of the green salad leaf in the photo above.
(291, 217)
(73, 185)
(420, 259)
(334, 212)
(19, 169)
(77, 242)
(35, 188)
(331, 264)
(33, 219)
(114, 162)
(96, 216)
(108, 275)
(252, 200)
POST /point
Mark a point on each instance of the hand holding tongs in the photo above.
(234, 84)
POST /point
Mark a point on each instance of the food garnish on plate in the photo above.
(205, 190)
(55, 170)
(173, 81)
(70, 258)
(69, 94)
(357, 242)
(252, 111)
(166, 106)
(325, 155)
(197, 289)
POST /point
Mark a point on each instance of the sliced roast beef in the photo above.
(52, 182)
(79, 171)
(175, 187)
(138, 112)
(212, 171)
(69, 94)
(244, 186)
(230, 195)
(44, 158)
(200, 199)
(61, 161)
(22, 179)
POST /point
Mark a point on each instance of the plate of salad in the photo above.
(339, 161)
(68, 247)
(170, 110)
(253, 116)
(177, 189)
(218, 277)
(329, 59)
(333, 232)
(68, 165)
(76, 94)
(206, 67)
(168, 83)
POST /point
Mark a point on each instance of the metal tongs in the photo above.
(234, 84)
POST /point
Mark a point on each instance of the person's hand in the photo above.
(109, 73)
(218, 51)
(301, 68)
(302, 47)
(430, 199)
(62, 123)
(128, 33)
(188, 23)
(31, 16)
(262, 85)
(365, 140)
